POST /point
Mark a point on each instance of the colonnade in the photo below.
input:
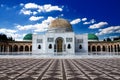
(93, 47)
(113, 47)
(16, 46)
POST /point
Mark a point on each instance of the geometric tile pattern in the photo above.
(60, 69)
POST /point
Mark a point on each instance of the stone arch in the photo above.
(98, 48)
(15, 48)
(103, 48)
(93, 48)
(26, 48)
(21, 48)
(59, 44)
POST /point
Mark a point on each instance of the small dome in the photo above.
(92, 37)
(60, 25)
(28, 37)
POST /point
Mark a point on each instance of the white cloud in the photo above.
(49, 8)
(109, 30)
(44, 25)
(87, 23)
(25, 27)
(10, 32)
(34, 12)
(34, 18)
(90, 22)
(26, 12)
(35, 8)
(84, 19)
(19, 37)
(15, 34)
(39, 27)
(31, 5)
(3, 30)
(98, 25)
(75, 21)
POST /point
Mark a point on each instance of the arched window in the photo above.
(98, 48)
(50, 46)
(39, 46)
(69, 46)
(93, 48)
(26, 48)
(15, 48)
(103, 49)
(21, 48)
(80, 46)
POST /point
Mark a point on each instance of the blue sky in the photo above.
(100, 17)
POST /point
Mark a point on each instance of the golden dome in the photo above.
(60, 23)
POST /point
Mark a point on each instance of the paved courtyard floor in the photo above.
(60, 69)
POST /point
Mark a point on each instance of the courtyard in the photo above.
(59, 69)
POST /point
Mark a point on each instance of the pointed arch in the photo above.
(98, 48)
(93, 48)
(15, 48)
(103, 48)
(21, 48)
(59, 44)
(26, 48)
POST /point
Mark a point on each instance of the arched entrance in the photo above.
(98, 48)
(93, 48)
(59, 44)
(15, 48)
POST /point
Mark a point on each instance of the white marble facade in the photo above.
(59, 41)
(71, 43)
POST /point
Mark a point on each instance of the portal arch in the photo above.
(59, 44)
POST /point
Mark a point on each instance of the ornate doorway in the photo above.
(59, 44)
